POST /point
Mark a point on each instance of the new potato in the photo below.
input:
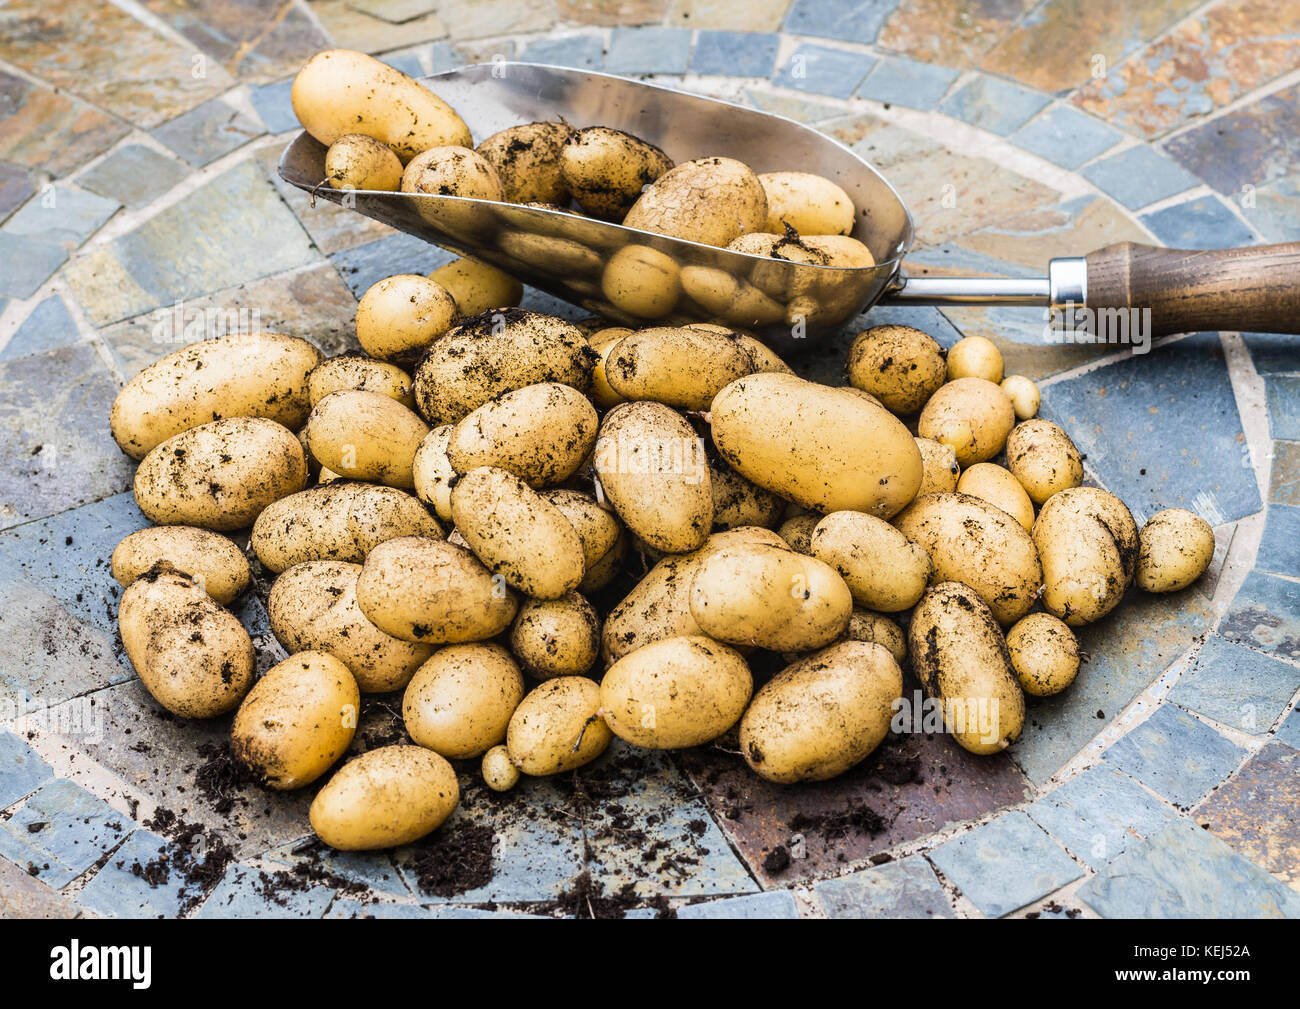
(214, 562)
(1174, 549)
(649, 365)
(811, 204)
(899, 365)
(606, 169)
(999, 488)
(712, 201)
(1043, 458)
(356, 161)
(1044, 653)
(366, 436)
(476, 286)
(557, 727)
(972, 416)
(360, 374)
(399, 316)
(556, 637)
(459, 702)
(527, 161)
(884, 570)
(1089, 548)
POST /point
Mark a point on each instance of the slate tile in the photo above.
(120, 889)
(773, 904)
(994, 104)
(1250, 146)
(584, 52)
(735, 54)
(1255, 812)
(1186, 872)
(24, 896)
(1282, 393)
(1265, 615)
(354, 29)
(1279, 549)
(1273, 209)
(133, 175)
(1175, 755)
(899, 81)
(272, 104)
(1237, 686)
(1005, 864)
(1289, 731)
(206, 133)
(29, 263)
(753, 16)
(1203, 223)
(49, 130)
(820, 70)
(648, 51)
(21, 769)
(1284, 475)
(1273, 353)
(1065, 136)
(946, 34)
(447, 55)
(16, 185)
(63, 830)
(1139, 176)
(364, 265)
(843, 20)
(63, 215)
(247, 892)
(49, 327)
(906, 888)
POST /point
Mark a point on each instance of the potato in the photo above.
(495, 353)
(433, 473)
(604, 541)
(541, 433)
(366, 436)
(709, 200)
(359, 373)
(649, 365)
(420, 589)
(214, 563)
(821, 715)
(1174, 549)
(453, 170)
(296, 721)
(971, 416)
(737, 502)
(398, 317)
(971, 541)
(765, 358)
(642, 281)
(606, 169)
(527, 160)
(340, 91)
(675, 693)
(220, 475)
(1044, 654)
(961, 659)
(313, 607)
(1043, 458)
(797, 532)
(810, 204)
(557, 727)
(556, 637)
(775, 280)
(476, 286)
(729, 297)
(499, 774)
(603, 341)
(1089, 548)
(460, 701)
(939, 467)
(1024, 395)
(356, 161)
(239, 375)
(999, 488)
(876, 628)
(899, 365)
(884, 570)
(975, 357)
(843, 251)
(385, 798)
(819, 447)
(194, 657)
(653, 469)
(772, 597)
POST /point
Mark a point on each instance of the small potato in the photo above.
(359, 373)
(1044, 653)
(797, 532)
(999, 488)
(649, 365)
(940, 471)
(884, 570)
(498, 773)
(876, 628)
(603, 342)
(296, 721)
(822, 715)
(971, 416)
(477, 287)
(541, 433)
(194, 657)
(1088, 543)
(675, 693)
(737, 502)
(527, 160)
(356, 161)
(1024, 395)
(214, 563)
(642, 281)
(385, 798)
(366, 436)
(712, 201)
(558, 727)
(1174, 549)
(428, 590)
(460, 701)
(398, 317)
(433, 473)
(453, 171)
(975, 357)
(312, 607)
(811, 204)
(653, 469)
(1043, 458)
(220, 475)
(606, 169)
(556, 637)
(961, 659)
(604, 541)
(901, 366)
(842, 251)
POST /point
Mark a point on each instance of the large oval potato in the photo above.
(675, 693)
(360, 373)
(1175, 547)
(961, 659)
(428, 590)
(238, 375)
(606, 169)
(653, 469)
(822, 448)
(477, 286)
(682, 367)
(899, 365)
(194, 657)
(399, 316)
(557, 727)
(385, 798)
(366, 436)
(214, 562)
(883, 569)
(556, 637)
(220, 475)
(811, 204)
(313, 607)
(822, 715)
(296, 721)
(1043, 458)
(1088, 543)
(527, 160)
(460, 701)
(709, 200)
(972, 416)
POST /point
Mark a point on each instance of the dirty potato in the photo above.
(1174, 549)
(972, 416)
(214, 563)
(399, 316)
(899, 365)
(460, 700)
(1089, 548)
(884, 570)
(356, 161)
(556, 637)
(606, 169)
(1044, 653)
(527, 161)
(712, 201)
(1043, 458)
(557, 727)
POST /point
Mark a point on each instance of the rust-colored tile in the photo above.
(954, 35)
(1255, 812)
(50, 131)
(1284, 480)
(252, 39)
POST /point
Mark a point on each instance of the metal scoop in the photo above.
(569, 255)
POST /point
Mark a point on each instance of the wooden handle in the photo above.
(1253, 289)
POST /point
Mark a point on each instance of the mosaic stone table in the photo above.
(139, 204)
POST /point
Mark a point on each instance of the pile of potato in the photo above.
(439, 512)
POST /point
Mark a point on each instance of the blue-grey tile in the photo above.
(1066, 137)
(377, 909)
(1283, 396)
(1139, 176)
(585, 52)
(1273, 209)
(21, 769)
(1175, 755)
(1187, 872)
(896, 80)
(1279, 549)
(29, 263)
(120, 889)
(48, 327)
(1237, 686)
(246, 892)
(994, 104)
(1005, 864)
(446, 55)
(1203, 223)
(62, 830)
(1289, 731)
(207, 132)
(648, 51)
(801, 110)
(134, 175)
(735, 54)
(273, 106)
(843, 20)
(1099, 814)
(62, 215)
(1273, 353)
(907, 888)
(407, 62)
(1265, 615)
(773, 904)
(16, 185)
(364, 265)
(823, 71)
